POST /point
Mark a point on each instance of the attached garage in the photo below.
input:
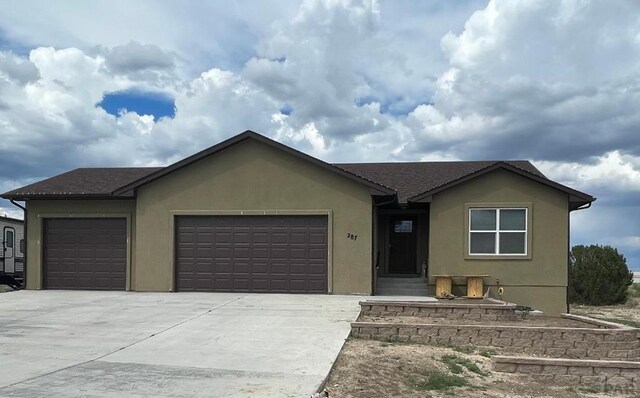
(266, 254)
(85, 253)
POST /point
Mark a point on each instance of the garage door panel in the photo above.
(317, 238)
(201, 251)
(241, 269)
(220, 283)
(316, 269)
(252, 253)
(280, 238)
(85, 253)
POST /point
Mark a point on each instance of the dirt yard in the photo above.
(372, 369)
(628, 314)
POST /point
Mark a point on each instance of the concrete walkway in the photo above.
(114, 344)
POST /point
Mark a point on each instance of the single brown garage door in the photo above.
(85, 253)
(266, 254)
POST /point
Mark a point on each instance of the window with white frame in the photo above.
(498, 231)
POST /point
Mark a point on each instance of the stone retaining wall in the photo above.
(579, 343)
(491, 312)
(613, 376)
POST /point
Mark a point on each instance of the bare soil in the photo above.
(529, 320)
(372, 369)
(628, 313)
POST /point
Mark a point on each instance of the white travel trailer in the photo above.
(12, 247)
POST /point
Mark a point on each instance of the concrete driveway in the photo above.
(67, 343)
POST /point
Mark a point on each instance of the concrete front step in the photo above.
(401, 281)
(401, 286)
(387, 291)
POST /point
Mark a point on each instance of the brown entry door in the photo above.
(265, 254)
(402, 245)
(85, 253)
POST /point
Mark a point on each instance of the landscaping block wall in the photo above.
(490, 312)
(613, 376)
(578, 343)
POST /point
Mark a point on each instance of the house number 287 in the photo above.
(352, 236)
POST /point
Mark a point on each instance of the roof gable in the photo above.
(576, 198)
(376, 188)
(413, 178)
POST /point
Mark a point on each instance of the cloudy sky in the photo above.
(139, 83)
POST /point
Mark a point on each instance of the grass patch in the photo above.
(435, 380)
(463, 349)
(487, 352)
(456, 365)
(392, 340)
(628, 322)
(590, 389)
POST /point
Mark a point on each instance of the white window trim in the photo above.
(497, 231)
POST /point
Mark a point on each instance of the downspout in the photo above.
(25, 237)
(376, 254)
(588, 205)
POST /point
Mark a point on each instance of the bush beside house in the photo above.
(598, 275)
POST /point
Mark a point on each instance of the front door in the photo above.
(8, 249)
(403, 245)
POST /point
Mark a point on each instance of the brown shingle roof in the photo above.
(413, 178)
(409, 179)
(413, 182)
(82, 182)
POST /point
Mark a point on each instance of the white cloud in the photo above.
(612, 171)
(536, 79)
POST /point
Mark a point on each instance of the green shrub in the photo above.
(455, 364)
(598, 275)
(435, 380)
(634, 291)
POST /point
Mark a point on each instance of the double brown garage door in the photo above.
(270, 254)
(85, 253)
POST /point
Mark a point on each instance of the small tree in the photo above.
(598, 275)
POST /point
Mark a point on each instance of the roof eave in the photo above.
(69, 196)
(11, 219)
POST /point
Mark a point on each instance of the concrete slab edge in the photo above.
(594, 321)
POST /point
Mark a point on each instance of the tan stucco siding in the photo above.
(253, 177)
(37, 210)
(539, 280)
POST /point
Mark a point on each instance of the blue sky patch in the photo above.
(141, 102)
(7, 44)
(286, 110)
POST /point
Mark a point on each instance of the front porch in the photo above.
(401, 247)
